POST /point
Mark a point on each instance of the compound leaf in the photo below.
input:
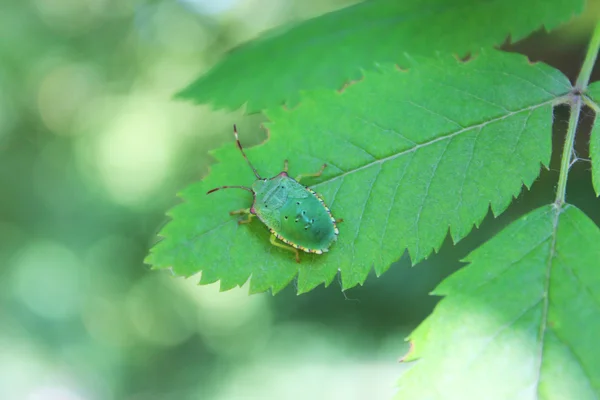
(326, 51)
(409, 154)
(594, 92)
(521, 321)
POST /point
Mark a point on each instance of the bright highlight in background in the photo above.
(210, 7)
(134, 152)
(47, 278)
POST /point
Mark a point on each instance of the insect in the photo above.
(294, 214)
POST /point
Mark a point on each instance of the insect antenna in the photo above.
(239, 145)
(230, 187)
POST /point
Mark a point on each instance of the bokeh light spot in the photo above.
(8, 115)
(48, 279)
(232, 323)
(72, 16)
(210, 7)
(54, 393)
(135, 152)
(63, 92)
(107, 321)
(160, 314)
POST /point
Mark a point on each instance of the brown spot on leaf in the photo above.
(411, 350)
(348, 84)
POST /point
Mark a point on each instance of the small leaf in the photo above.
(409, 155)
(521, 321)
(594, 92)
(595, 154)
(326, 51)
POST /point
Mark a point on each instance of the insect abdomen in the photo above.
(307, 223)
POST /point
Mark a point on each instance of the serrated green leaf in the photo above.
(595, 154)
(594, 92)
(521, 321)
(329, 50)
(409, 154)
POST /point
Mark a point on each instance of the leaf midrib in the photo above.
(546, 303)
(439, 139)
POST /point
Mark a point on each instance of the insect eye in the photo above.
(285, 217)
(303, 212)
(298, 203)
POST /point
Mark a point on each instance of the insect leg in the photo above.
(245, 211)
(274, 242)
(312, 175)
(285, 165)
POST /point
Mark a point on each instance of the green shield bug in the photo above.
(295, 214)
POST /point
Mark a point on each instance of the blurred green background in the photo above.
(92, 153)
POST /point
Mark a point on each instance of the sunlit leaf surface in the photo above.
(410, 154)
(594, 92)
(327, 51)
(521, 321)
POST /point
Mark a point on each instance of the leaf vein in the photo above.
(393, 202)
(424, 199)
(435, 140)
(361, 148)
(462, 184)
(501, 329)
(460, 126)
(208, 232)
(375, 124)
(545, 297)
(520, 135)
(455, 88)
(513, 263)
(569, 347)
(360, 219)
(585, 288)
(483, 71)
(333, 198)
(538, 66)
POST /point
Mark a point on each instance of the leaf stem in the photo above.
(590, 60)
(591, 104)
(580, 86)
(565, 161)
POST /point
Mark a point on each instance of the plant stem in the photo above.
(591, 104)
(580, 86)
(565, 161)
(590, 60)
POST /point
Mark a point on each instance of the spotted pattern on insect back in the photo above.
(281, 202)
(305, 249)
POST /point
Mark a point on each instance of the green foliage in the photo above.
(419, 144)
(594, 92)
(327, 51)
(410, 153)
(520, 321)
(595, 154)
